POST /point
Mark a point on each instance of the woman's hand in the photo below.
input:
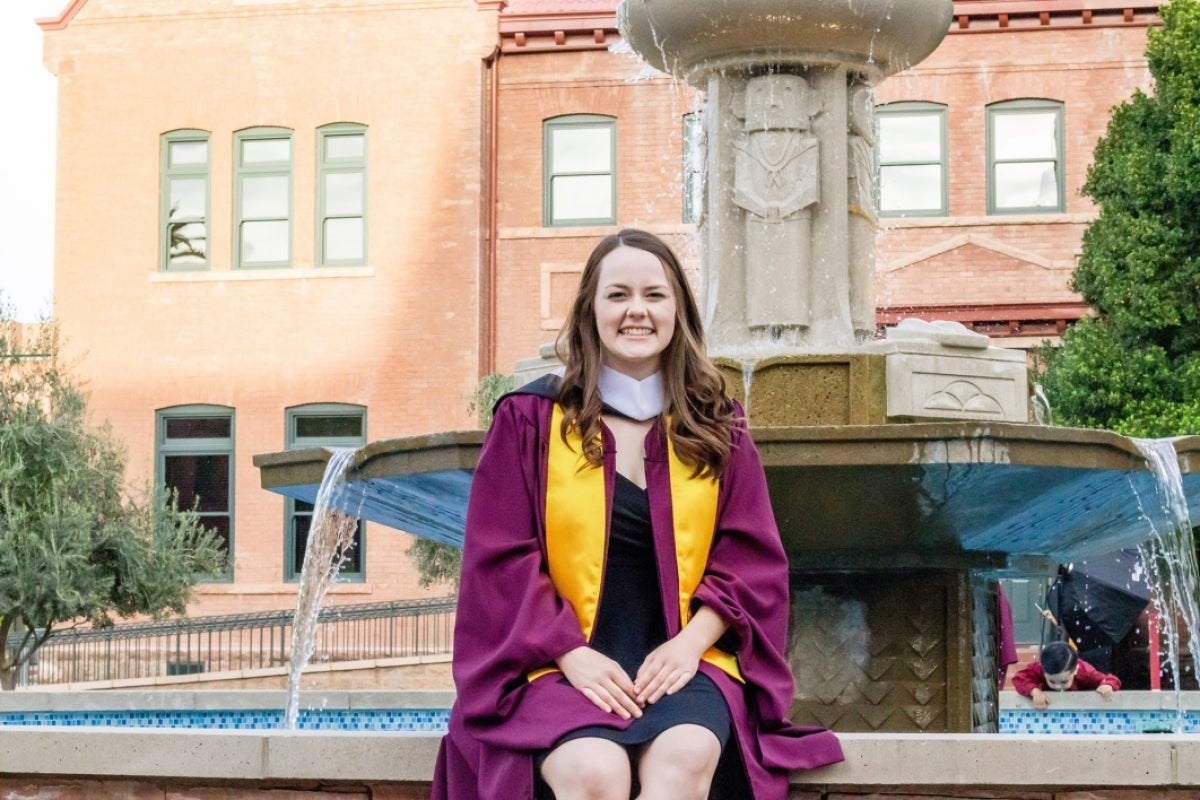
(667, 669)
(673, 663)
(601, 680)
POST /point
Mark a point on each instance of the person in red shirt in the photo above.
(1060, 669)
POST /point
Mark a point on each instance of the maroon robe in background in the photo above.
(511, 621)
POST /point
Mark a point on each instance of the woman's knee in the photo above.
(588, 769)
(680, 763)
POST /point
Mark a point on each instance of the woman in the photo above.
(624, 601)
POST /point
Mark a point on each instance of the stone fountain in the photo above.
(903, 472)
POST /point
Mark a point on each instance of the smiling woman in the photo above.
(27, 93)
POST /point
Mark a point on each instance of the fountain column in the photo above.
(788, 225)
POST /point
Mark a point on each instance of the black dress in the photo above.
(630, 623)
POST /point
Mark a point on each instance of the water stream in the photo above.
(329, 539)
(1169, 555)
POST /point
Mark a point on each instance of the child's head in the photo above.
(1059, 663)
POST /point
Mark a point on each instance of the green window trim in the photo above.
(262, 198)
(579, 167)
(321, 425)
(693, 166)
(184, 198)
(341, 195)
(921, 168)
(1013, 166)
(194, 447)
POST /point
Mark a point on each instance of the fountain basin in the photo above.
(974, 495)
(693, 38)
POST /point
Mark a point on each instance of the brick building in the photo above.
(284, 223)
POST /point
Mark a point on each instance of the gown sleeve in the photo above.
(510, 619)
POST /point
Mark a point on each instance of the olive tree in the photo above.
(77, 546)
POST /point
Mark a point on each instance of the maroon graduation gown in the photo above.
(511, 621)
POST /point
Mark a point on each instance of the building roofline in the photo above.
(572, 31)
(61, 21)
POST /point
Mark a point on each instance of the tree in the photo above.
(77, 547)
(439, 563)
(1135, 368)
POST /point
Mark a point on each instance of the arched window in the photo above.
(341, 195)
(321, 425)
(1025, 157)
(579, 154)
(912, 160)
(195, 460)
(262, 198)
(183, 201)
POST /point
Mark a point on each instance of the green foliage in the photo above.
(490, 389)
(76, 546)
(439, 563)
(1135, 369)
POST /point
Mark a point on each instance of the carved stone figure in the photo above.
(864, 218)
(776, 182)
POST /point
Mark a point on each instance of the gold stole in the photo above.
(576, 528)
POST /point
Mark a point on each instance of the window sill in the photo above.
(272, 274)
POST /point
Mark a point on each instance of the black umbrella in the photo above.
(1098, 599)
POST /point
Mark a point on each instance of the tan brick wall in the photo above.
(399, 337)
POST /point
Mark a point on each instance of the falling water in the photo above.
(1040, 405)
(1170, 555)
(329, 540)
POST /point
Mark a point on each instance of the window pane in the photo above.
(1026, 185)
(265, 197)
(351, 146)
(1026, 135)
(916, 188)
(264, 242)
(343, 193)
(332, 426)
(302, 527)
(582, 197)
(179, 153)
(199, 427)
(910, 138)
(266, 151)
(189, 243)
(343, 239)
(581, 149)
(218, 524)
(188, 197)
(199, 476)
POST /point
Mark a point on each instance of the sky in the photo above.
(27, 107)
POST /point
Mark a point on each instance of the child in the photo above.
(1060, 669)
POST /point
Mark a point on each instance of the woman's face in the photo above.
(635, 311)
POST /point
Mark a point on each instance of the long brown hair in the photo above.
(701, 414)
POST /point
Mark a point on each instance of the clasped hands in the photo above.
(666, 670)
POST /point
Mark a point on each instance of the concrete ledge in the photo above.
(872, 760)
(1121, 701)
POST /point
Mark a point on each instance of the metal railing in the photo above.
(242, 641)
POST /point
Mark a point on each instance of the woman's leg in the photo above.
(679, 764)
(588, 769)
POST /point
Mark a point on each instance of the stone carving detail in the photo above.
(862, 657)
(864, 218)
(965, 396)
(776, 169)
